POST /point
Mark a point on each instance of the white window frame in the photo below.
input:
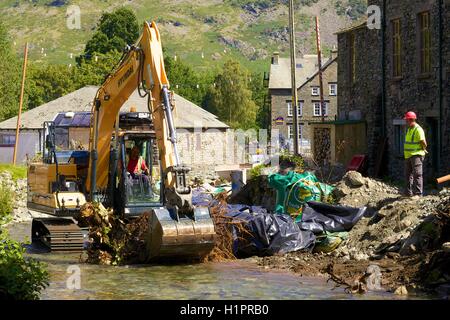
(313, 91)
(333, 87)
(289, 108)
(300, 108)
(291, 134)
(327, 106)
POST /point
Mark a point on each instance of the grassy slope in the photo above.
(44, 26)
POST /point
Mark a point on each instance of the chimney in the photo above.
(334, 52)
(275, 57)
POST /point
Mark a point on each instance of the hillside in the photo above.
(202, 32)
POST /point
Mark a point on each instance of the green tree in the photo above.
(10, 76)
(48, 82)
(259, 95)
(94, 72)
(115, 30)
(231, 98)
(186, 82)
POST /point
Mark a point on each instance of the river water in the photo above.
(242, 279)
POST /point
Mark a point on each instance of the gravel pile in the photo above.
(392, 221)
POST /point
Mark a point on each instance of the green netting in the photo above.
(294, 189)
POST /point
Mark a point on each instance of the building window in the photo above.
(397, 48)
(7, 139)
(291, 131)
(352, 57)
(299, 108)
(318, 109)
(315, 91)
(333, 89)
(425, 42)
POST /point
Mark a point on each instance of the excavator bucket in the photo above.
(171, 236)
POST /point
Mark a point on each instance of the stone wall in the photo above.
(364, 94)
(412, 91)
(204, 150)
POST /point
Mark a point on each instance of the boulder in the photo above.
(354, 179)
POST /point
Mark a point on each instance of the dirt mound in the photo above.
(394, 218)
(357, 191)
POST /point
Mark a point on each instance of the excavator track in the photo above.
(58, 234)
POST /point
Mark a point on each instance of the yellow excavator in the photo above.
(132, 165)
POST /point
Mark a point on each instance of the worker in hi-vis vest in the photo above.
(415, 149)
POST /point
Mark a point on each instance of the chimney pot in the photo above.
(275, 57)
(334, 52)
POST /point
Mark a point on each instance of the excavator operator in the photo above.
(136, 163)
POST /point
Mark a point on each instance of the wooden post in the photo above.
(294, 93)
(24, 72)
(319, 57)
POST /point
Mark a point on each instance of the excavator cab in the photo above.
(139, 185)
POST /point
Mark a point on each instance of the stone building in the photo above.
(401, 66)
(203, 139)
(308, 88)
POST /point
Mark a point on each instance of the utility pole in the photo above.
(24, 72)
(294, 103)
(319, 57)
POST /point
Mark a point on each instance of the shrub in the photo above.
(21, 278)
(6, 203)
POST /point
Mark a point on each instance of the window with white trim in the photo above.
(291, 131)
(299, 108)
(318, 109)
(315, 91)
(333, 89)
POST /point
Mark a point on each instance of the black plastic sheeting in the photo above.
(270, 233)
(200, 198)
(278, 233)
(319, 217)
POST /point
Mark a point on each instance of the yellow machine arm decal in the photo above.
(116, 90)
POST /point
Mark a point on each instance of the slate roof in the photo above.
(187, 115)
(280, 74)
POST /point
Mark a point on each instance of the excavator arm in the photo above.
(142, 68)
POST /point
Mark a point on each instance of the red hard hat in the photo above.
(410, 116)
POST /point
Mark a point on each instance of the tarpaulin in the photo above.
(320, 217)
(294, 189)
(270, 233)
(200, 197)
